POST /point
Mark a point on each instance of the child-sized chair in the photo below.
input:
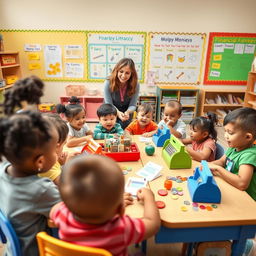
(8, 236)
(50, 246)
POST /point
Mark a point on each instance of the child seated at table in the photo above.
(92, 211)
(143, 125)
(171, 119)
(62, 157)
(107, 125)
(202, 137)
(74, 112)
(238, 165)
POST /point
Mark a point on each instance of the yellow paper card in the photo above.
(33, 56)
(216, 65)
(33, 66)
(217, 57)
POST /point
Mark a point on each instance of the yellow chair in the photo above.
(50, 246)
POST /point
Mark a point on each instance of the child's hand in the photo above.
(214, 169)
(146, 134)
(71, 155)
(88, 138)
(62, 158)
(128, 199)
(145, 194)
(170, 123)
(126, 115)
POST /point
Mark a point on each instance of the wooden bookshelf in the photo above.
(186, 95)
(221, 102)
(250, 94)
(7, 70)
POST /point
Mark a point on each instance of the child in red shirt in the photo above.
(143, 125)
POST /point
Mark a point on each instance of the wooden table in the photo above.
(234, 219)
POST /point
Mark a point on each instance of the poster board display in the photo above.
(229, 58)
(176, 57)
(52, 55)
(106, 48)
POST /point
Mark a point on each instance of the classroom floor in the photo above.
(161, 249)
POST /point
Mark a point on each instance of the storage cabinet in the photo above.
(151, 99)
(90, 103)
(9, 68)
(250, 94)
(187, 96)
(221, 102)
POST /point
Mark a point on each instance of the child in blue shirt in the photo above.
(107, 125)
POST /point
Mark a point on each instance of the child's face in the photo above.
(50, 155)
(108, 121)
(78, 121)
(144, 119)
(197, 134)
(235, 137)
(171, 114)
(124, 74)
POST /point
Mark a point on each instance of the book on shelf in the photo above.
(230, 99)
(188, 100)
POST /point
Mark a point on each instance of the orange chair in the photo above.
(50, 246)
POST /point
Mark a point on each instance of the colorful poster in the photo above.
(176, 57)
(53, 61)
(105, 49)
(74, 70)
(73, 52)
(229, 58)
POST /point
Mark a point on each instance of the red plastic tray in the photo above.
(133, 155)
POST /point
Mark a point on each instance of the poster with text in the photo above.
(53, 61)
(229, 58)
(105, 49)
(176, 57)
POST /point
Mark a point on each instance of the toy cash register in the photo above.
(161, 136)
(175, 154)
(202, 186)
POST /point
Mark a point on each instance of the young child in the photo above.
(28, 142)
(238, 165)
(79, 132)
(63, 157)
(83, 182)
(24, 93)
(171, 119)
(107, 114)
(143, 125)
(202, 137)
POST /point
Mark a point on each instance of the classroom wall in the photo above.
(134, 15)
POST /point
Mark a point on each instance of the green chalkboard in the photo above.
(229, 58)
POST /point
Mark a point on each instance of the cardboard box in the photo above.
(7, 60)
(11, 79)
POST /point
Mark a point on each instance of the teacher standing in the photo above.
(122, 90)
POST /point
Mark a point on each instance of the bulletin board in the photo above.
(52, 55)
(229, 58)
(106, 48)
(176, 57)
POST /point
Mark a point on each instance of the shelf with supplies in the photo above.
(221, 102)
(250, 94)
(10, 70)
(90, 103)
(152, 99)
(186, 95)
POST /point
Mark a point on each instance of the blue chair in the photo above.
(219, 151)
(7, 234)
